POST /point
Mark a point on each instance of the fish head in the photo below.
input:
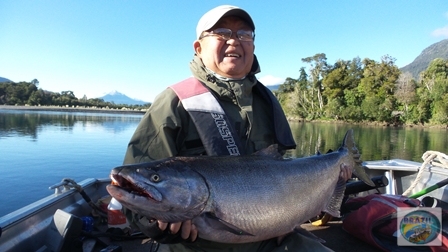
(166, 190)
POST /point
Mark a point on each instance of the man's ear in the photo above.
(197, 47)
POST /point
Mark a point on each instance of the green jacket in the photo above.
(166, 129)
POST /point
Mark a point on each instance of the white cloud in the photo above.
(269, 80)
(441, 32)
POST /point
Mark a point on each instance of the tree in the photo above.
(334, 88)
(340, 85)
(303, 79)
(287, 86)
(406, 94)
(68, 98)
(435, 88)
(318, 69)
(37, 98)
(377, 88)
(68, 94)
(302, 95)
(293, 95)
(35, 82)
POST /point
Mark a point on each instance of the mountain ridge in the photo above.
(120, 98)
(2, 79)
(421, 62)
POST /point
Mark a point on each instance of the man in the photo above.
(223, 110)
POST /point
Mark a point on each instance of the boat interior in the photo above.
(58, 222)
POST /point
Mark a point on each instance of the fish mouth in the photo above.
(135, 188)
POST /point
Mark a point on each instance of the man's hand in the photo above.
(188, 229)
(346, 172)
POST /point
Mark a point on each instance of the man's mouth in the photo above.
(235, 55)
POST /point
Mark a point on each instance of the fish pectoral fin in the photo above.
(334, 205)
(218, 223)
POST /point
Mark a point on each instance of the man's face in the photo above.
(229, 58)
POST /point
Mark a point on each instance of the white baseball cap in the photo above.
(209, 19)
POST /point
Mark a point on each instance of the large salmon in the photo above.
(238, 199)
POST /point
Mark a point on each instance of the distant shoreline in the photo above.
(72, 109)
(141, 112)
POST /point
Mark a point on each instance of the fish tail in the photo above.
(359, 169)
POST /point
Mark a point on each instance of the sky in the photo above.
(140, 47)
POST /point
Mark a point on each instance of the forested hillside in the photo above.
(366, 90)
(28, 93)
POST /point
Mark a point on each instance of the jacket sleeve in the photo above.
(159, 133)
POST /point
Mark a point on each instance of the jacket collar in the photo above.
(223, 87)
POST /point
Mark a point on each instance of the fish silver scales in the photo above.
(238, 199)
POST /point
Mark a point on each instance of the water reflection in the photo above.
(15, 123)
(374, 142)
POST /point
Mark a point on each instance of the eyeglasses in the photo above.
(226, 34)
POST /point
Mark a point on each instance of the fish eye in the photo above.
(155, 178)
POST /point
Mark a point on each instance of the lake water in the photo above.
(39, 149)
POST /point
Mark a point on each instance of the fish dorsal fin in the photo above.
(270, 151)
(220, 224)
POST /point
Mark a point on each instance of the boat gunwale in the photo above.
(41, 205)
